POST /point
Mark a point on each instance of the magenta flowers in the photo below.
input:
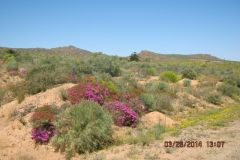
(42, 135)
(93, 91)
(122, 114)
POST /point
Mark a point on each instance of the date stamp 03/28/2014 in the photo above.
(193, 144)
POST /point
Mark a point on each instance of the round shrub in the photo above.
(163, 87)
(122, 114)
(229, 90)
(84, 127)
(148, 101)
(44, 77)
(214, 98)
(12, 65)
(152, 71)
(163, 102)
(233, 80)
(189, 73)
(186, 82)
(169, 76)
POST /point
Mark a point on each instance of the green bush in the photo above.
(229, 90)
(151, 87)
(163, 87)
(233, 80)
(12, 65)
(10, 58)
(163, 102)
(85, 127)
(189, 73)
(214, 98)
(186, 82)
(189, 102)
(148, 101)
(102, 64)
(169, 76)
(152, 71)
(18, 90)
(44, 77)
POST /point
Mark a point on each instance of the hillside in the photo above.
(148, 55)
(144, 55)
(69, 50)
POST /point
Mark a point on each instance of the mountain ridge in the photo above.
(144, 55)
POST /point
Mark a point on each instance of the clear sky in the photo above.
(121, 27)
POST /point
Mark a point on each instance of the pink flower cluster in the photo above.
(123, 115)
(22, 71)
(42, 135)
(13, 73)
(93, 91)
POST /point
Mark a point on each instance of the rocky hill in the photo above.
(148, 55)
(69, 50)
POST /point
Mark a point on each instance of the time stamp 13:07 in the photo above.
(191, 144)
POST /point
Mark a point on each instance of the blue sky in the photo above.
(121, 27)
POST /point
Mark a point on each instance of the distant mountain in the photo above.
(147, 55)
(144, 55)
(69, 50)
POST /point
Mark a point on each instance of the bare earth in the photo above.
(16, 142)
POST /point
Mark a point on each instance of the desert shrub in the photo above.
(44, 77)
(122, 114)
(189, 73)
(214, 98)
(12, 65)
(169, 76)
(89, 79)
(151, 87)
(102, 64)
(110, 84)
(84, 127)
(148, 101)
(210, 84)
(233, 80)
(63, 94)
(10, 58)
(186, 82)
(196, 92)
(93, 91)
(174, 89)
(229, 90)
(152, 71)
(163, 87)
(18, 90)
(163, 102)
(135, 92)
(189, 102)
(43, 116)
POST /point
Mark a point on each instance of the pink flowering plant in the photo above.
(93, 91)
(42, 134)
(13, 73)
(42, 118)
(134, 103)
(123, 115)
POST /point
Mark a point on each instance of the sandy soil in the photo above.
(16, 142)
